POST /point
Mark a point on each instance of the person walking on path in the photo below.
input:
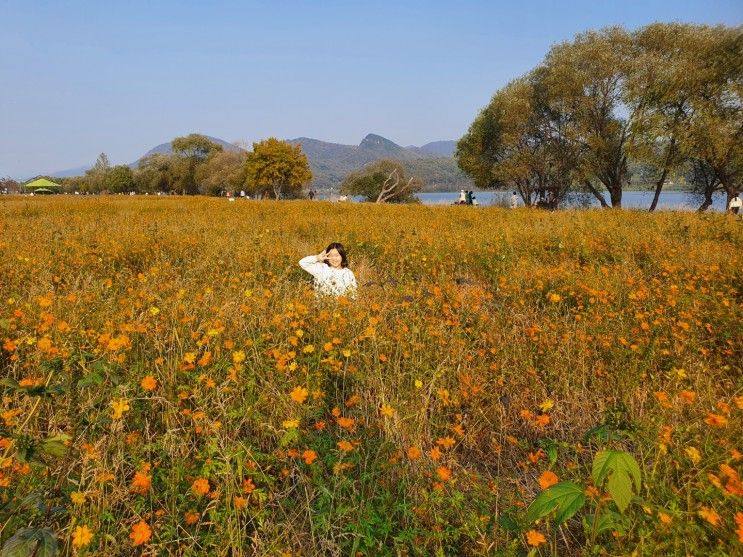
(514, 200)
(331, 272)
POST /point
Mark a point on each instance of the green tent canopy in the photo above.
(42, 185)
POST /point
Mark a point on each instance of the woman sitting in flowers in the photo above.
(331, 272)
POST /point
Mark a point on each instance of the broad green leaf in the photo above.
(565, 497)
(620, 489)
(606, 462)
(621, 469)
(30, 541)
(55, 446)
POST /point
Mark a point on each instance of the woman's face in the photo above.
(334, 258)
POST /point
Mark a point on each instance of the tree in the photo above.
(278, 167)
(94, 178)
(382, 181)
(160, 173)
(120, 179)
(193, 150)
(225, 171)
(8, 185)
(519, 142)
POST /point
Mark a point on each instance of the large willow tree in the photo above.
(667, 95)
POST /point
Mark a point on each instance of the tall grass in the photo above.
(204, 402)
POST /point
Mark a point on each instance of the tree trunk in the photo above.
(615, 192)
(658, 187)
(597, 194)
(664, 174)
(707, 202)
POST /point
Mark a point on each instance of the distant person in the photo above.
(514, 200)
(735, 204)
(311, 195)
(462, 198)
(468, 197)
(331, 272)
(475, 202)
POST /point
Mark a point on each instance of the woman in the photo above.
(331, 272)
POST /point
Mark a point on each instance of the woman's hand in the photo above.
(322, 257)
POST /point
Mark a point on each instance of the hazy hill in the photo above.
(332, 162)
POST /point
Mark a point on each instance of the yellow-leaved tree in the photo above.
(277, 167)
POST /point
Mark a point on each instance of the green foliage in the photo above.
(30, 542)
(120, 179)
(566, 498)
(621, 469)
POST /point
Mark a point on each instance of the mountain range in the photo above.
(332, 162)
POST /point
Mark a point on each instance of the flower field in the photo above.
(506, 382)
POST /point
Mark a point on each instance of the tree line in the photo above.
(666, 97)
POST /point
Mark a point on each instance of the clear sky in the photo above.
(78, 78)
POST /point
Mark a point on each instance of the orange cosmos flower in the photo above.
(299, 394)
(710, 515)
(345, 446)
(248, 486)
(547, 479)
(739, 522)
(665, 518)
(716, 420)
(542, 420)
(149, 383)
(435, 453)
(443, 473)
(309, 456)
(191, 517)
(141, 483)
(535, 538)
(141, 533)
(445, 442)
(240, 502)
(200, 486)
(688, 396)
(387, 410)
(414, 453)
(346, 423)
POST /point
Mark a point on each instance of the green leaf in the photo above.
(30, 541)
(622, 469)
(565, 497)
(55, 446)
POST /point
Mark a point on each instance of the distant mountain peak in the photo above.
(377, 142)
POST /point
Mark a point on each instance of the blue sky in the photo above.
(79, 78)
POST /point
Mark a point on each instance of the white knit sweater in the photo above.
(330, 281)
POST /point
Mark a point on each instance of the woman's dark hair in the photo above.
(341, 252)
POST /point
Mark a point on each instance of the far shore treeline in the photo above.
(611, 110)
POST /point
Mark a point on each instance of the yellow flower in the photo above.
(418, 384)
(547, 405)
(238, 357)
(77, 498)
(693, 454)
(81, 536)
(387, 410)
(153, 311)
(290, 424)
(299, 394)
(346, 353)
(119, 406)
